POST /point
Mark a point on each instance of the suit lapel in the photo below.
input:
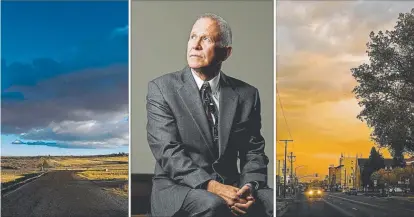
(228, 104)
(190, 96)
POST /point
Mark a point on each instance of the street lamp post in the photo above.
(296, 175)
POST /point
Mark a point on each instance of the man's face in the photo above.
(202, 47)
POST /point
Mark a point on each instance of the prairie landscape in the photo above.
(108, 171)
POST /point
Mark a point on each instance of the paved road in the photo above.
(341, 205)
(61, 194)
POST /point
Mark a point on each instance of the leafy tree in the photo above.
(386, 86)
(374, 163)
(398, 160)
(377, 176)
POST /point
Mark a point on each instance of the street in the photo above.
(61, 193)
(341, 205)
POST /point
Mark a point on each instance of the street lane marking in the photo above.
(339, 209)
(354, 208)
(371, 205)
(24, 183)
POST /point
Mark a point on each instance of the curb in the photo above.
(282, 211)
(16, 185)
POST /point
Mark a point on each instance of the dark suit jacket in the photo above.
(181, 142)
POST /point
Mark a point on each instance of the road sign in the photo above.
(407, 181)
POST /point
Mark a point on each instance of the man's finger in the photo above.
(249, 198)
(238, 210)
(243, 190)
(241, 200)
(245, 206)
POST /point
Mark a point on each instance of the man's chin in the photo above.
(195, 66)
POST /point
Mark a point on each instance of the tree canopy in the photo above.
(385, 87)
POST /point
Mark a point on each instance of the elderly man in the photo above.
(200, 121)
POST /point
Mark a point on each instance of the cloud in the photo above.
(106, 130)
(52, 144)
(334, 26)
(79, 109)
(81, 102)
(120, 31)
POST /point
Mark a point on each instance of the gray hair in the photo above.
(225, 30)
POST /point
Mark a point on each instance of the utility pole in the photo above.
(284, 171)
(278, 167)
(278, 183)
(291, 159)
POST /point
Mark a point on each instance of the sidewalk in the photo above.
(282, 204)
(281, 207)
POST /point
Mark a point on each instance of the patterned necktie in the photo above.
(211, 110)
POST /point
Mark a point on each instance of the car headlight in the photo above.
(319, 192)
(310, 192)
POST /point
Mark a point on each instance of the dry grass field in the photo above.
(107, 168)
(13, 168)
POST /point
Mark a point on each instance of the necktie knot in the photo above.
(206, 87)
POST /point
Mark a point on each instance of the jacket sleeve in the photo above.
(164, 141)
(253, 161)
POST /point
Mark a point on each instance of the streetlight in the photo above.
(296, 175)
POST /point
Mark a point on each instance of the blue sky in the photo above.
(64, 78)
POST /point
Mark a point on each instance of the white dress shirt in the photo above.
(215, 87)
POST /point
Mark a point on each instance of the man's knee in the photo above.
(203, 203)
(265, 198)
(215, 204)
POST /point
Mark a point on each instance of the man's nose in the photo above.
(196, 44)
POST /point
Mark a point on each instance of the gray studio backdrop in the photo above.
(159, 34)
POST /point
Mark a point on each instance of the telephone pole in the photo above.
(284, 166)
(278, 180)
(291, 159)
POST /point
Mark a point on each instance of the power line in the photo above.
(283, 113)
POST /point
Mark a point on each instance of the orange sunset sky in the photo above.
(317, 45)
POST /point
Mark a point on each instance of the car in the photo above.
(352, 191)
(314, 192)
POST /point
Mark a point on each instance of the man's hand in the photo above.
(227, 192)
(242, 208)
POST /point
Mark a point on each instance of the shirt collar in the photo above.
(214, 82)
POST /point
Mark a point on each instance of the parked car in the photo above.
(352, 191)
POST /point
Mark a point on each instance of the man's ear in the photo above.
(227, 53)
(222, 53)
